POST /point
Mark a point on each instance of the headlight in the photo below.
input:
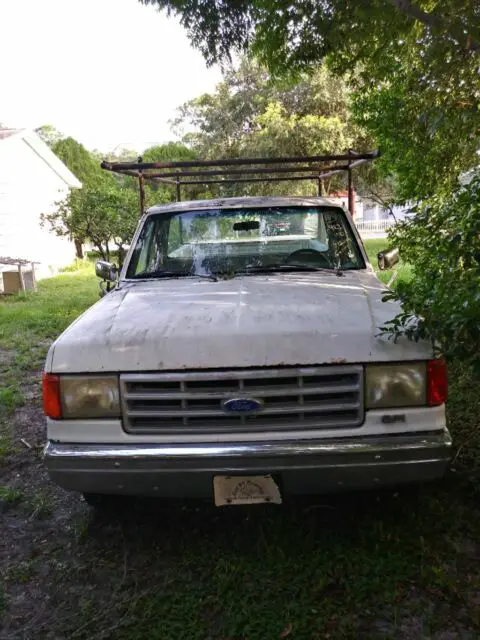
(89, 397)
(398, 385)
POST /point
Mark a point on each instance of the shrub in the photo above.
(442, 300)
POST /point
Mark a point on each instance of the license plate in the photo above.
(245, 490)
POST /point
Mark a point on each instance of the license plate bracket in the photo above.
(235, 490)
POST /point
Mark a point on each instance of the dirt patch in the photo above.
(7, 356)
(34, 533)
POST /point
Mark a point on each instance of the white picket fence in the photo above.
(374, 228)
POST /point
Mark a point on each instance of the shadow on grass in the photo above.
(346, 566)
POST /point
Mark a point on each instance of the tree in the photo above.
(251, 115)
(49, 134)
(105, 210)
(101, 213)
(155, 192)
(87, 169)
(158, 192)
(304, 31)
(219, 124)
(426, 120)
(168, 152)
(416, 68)
(81, 162)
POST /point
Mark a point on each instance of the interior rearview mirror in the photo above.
(106, 270)
(246, 225)
(388, 258)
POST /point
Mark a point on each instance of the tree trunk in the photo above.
(78, 249)
(99, 246)
(121, 255)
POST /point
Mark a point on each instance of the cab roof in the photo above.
(239, 203)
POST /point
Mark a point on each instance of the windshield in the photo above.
(217, 242)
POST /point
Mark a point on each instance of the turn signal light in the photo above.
(52, 406)
(436, 382)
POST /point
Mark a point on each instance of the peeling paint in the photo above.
(251, 321)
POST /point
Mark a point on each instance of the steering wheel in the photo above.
(312, 256)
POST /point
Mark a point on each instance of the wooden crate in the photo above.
(13, 284)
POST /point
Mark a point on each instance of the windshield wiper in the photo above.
(291, 268)
(152, 275)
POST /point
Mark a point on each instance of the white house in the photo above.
(32, 179)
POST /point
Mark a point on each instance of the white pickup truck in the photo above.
(238, 358)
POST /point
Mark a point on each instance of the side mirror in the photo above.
(106, 271)
(387, 258)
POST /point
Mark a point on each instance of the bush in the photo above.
(442, 300)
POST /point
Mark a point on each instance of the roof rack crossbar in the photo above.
(185, 164)
(244, 171)
(247, 180)
(155, 171)
(330, 171)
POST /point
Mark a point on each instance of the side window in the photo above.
(342, 247)
(151, 248)
(310, 226)
(322, 231)
(175, 234)
(139, 257)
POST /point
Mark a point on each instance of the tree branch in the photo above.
(412, 10)
(431, 20)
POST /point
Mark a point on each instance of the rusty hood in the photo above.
(247, 321)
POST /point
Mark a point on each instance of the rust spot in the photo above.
(337, 360)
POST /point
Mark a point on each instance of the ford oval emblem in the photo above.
(242, 405)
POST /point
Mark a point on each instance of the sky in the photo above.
(109, 73)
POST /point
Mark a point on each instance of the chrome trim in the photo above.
(242, 374)
(293, 398)
(266, 411)
(365, 445)
(218, 395)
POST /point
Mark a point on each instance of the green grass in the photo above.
(86, 266)
(6, 445)
(328, 568)
(40, 505)
(331, 568)
(28, 323)
(19, 573)
(10, 397)
(30, 318)
(11, 495)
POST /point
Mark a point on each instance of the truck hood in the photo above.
(248, 321)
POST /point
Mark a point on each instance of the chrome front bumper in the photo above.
(301, 467)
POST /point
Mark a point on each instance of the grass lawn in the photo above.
(400, 564)
(28, 324)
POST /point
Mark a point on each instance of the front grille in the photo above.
(328, 397)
